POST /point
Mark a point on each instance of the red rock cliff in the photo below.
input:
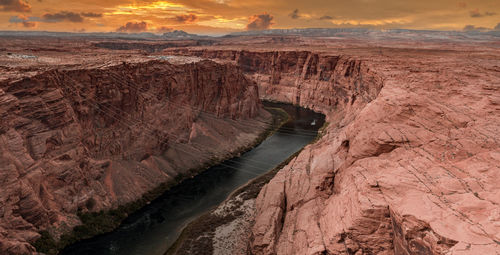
(409, 163)
(93, 139)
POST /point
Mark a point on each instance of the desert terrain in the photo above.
(408, 163)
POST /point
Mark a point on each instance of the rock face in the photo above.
(410, 161)
(93, 139)
(321, 82)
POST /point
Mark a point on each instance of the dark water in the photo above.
(151, 230)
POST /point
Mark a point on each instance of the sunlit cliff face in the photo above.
(223, 16)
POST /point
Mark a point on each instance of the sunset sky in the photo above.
(224, 16)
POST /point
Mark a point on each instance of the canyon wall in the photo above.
(322, 82)
(409, 163)
(78, 140)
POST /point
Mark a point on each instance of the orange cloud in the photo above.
(260, 22)
(30, 24)
(133, 27)
(163, 29)
(14, 6)
(224, 16)
(185, 18)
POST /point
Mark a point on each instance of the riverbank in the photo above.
(226, 228)
(198, 237)
(102, 222)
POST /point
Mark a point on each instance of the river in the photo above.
(152, 229)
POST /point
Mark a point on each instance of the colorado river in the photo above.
(151, 230)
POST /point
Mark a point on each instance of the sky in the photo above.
(225, 16)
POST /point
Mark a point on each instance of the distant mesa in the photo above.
(364, 33)
(177, 34)
(180, 34)
(469, 33)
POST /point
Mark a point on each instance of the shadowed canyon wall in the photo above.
(93, 139)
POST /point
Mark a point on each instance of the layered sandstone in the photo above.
(89, 139)
(409, 163)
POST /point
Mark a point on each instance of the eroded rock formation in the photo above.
(92, 139)
(409, 163)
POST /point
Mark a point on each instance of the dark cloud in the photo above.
(25, 21)
(477, 14)
(68, 16)
(62, 16)
(326, 17)
(54, 17)
(133, 27)
(14, 6)
(91, 14)
(260, 22)
(295, 14)
(163, 29)
(469, 28)
(17, 19)
(474, 28)
(185, 18)
(21, 18)
(29, 24)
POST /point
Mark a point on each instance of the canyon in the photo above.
(79, 140)
(407, 164)
(410, 159)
